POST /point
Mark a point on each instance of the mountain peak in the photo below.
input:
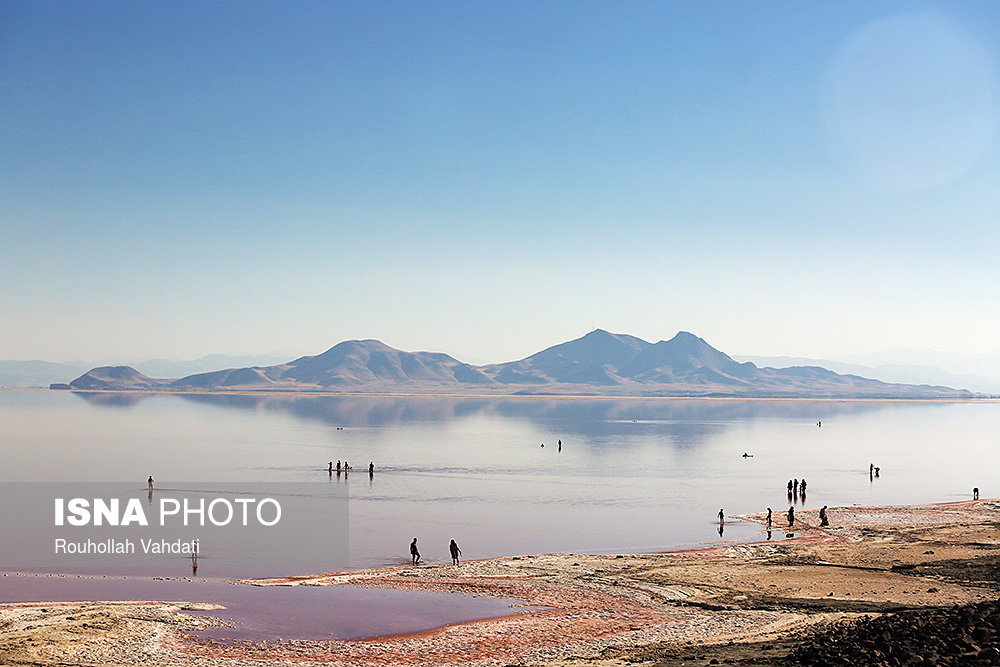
(686, 337)
(357, 343)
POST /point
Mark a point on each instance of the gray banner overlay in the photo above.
(203, 529)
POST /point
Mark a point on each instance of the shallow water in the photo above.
(632, 476)
(274, 613)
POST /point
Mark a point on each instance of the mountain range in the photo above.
(599, 363)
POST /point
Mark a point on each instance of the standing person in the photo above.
(329, 468)
(975, 493)
(802, 487)
(768, 517)
(338, 466)
(149, 483)
(823, 520)
(371, 468)
(789, 486)
(414, 554)
(455, 552)
(560, 445)
(796, 487)
(791, 516)
(722, 516)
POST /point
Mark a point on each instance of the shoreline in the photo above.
(596, 609)
(595, 397)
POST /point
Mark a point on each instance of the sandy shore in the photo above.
(727, 602)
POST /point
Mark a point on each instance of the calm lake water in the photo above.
(633, 475)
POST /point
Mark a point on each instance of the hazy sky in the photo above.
(489, 178)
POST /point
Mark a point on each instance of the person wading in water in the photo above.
(414, 554)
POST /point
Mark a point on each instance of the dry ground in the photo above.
(747, 603)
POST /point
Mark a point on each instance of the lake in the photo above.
(632, 475)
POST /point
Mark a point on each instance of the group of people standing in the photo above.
(456, 553)
(347, 468)
(795, 487)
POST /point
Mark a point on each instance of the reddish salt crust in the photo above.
(570, 615)
(579, 609)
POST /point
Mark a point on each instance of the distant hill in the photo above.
(172, 368)
(35, 373)
(905, 373)
(599, 363)
(22, 374)
(117, 377)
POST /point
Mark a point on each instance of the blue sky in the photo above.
(491, 178)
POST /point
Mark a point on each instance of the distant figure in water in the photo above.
(371, 467)
(802, 487)
(414, 554)
(149, 483)
(789, 487)
(823, 520)
(560, 445)
(871, 468)
(975, 493)
(876, 470)
(819, 424)
(769, 517)
(329, 468)
(722, 516)
(791, 516)
(455, 552)
(796, 486)
(338, 466)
